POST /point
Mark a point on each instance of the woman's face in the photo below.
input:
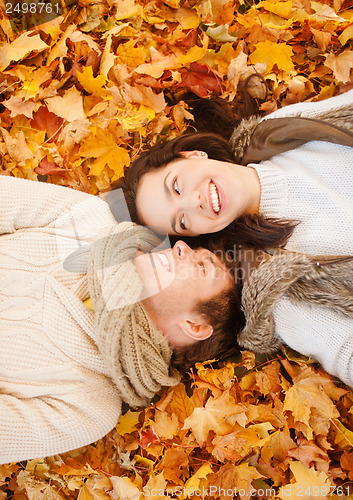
(192, 196)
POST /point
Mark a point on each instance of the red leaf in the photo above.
(48, 167)
(50, 122)
(148, 437)
(200, 79)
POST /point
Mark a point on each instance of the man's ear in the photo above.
(194, 154)
(197, 330)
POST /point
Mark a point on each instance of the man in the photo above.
(65, 369)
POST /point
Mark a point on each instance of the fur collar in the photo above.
(256, 139)
(299, 277)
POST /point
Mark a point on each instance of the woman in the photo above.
(192, 185)
(301, 197)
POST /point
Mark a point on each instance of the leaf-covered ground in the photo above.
(81, 96)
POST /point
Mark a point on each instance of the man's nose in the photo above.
(181, 250)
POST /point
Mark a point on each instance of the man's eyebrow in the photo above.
(216, 262)
(169, 195)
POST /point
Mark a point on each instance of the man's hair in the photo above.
(224, 314)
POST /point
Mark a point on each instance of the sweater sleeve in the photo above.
(314, 109)
(28, 204)
(39, 427)
(318, 332)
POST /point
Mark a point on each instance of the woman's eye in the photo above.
(175, 186)
(182, 223)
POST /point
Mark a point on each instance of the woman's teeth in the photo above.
(164, 261)
(215, 197)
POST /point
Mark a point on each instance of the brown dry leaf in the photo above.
(347, 463)
(234, 446)
(20, 48)
(124, 489)
(18, 107)
(222, 378)
(309, 454)
(17, 147)
(171, 464)
(219, 415)
(69, 106)
(268, 379)
(322, 38)
(341, 65)
(276, 447)
(240, 477)
(165, 426)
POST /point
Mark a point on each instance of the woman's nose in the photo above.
(194, 201)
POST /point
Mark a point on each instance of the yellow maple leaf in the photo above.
(20, 48)
(282, 9)
(130, 55)
(188, 18)
(341, 65)
(192, 55)
(104, 148)
(179, 402)
(309, 483)
(193, 483)
(127, 423)
(273, 53)
(93, 85)
(134, 117)
(304, 395)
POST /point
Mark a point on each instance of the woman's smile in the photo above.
(217, 200)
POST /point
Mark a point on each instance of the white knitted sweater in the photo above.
(314, 184)
(55, 392)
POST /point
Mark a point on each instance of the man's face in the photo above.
(175, 282)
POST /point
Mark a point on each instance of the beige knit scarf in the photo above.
(136, 354)
(302, 278)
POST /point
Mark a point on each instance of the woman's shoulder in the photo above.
(313, 109)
